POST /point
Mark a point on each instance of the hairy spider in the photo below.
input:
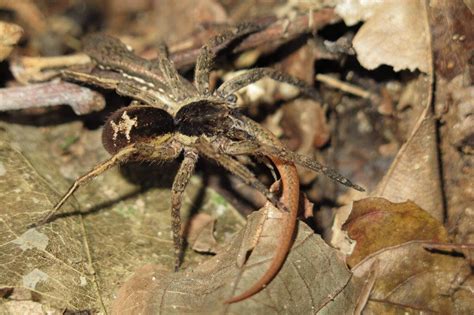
(181, 118)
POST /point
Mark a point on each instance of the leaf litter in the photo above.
(110, 250)
(77, 261)
(314, 279)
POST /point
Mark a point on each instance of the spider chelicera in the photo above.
(185, 119)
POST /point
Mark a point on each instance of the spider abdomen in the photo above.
(135, 124)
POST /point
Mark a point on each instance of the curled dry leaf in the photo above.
(396, 34)
(313, 280)
(10, 34)
(376, 223)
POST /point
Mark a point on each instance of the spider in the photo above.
(180, 118)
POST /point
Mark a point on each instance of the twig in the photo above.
(36, 69)
(346, 87)
(82, 100)
(280, 31)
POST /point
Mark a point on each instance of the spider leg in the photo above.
(180, 182)
(253, 75)
(238, 169)
(289, 156)
(120, 156)
(258, 147)
(122, 85)
(205, 59)
(180, 87)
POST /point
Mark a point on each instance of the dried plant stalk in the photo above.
(82, 100)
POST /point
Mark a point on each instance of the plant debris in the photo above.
(395, 116)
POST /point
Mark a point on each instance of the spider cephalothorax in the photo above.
(183, 118)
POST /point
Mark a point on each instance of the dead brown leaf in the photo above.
(452, 38)
(391, 28)
(414, 280)
(390, 250)
(376, 223)
(313, 280)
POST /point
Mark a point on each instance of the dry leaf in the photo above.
(412, 280)
(396, 34)
(313, 280)
(408, 277)
(376, 223)
(78, 261)
(414, 174)
(354, 11)
(10, 34)
(34, 258)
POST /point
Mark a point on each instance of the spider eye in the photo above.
(231, 98)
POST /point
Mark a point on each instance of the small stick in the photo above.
(82, 100)
(282, 30)
(27, 69)
(343, 86)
